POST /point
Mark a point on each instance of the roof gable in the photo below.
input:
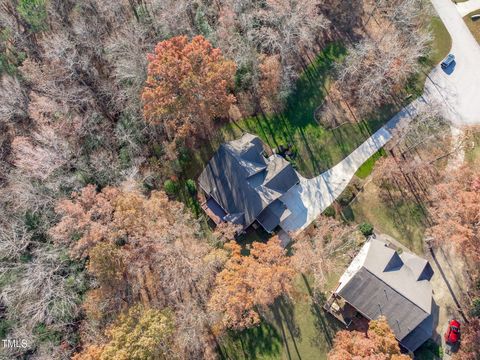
(395, 263)
(384, 262)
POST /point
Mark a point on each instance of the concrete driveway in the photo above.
(456, 91)
(466, 7)
(311, 197)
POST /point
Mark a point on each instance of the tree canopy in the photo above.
(378, 343)
(250, 282)
(455, 213)
(139, 334)
(187, 87)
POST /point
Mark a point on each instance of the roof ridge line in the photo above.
(398, 292)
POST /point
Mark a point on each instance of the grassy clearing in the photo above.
(263, 343)
(290, 330)
(442, 42)
(404, 221)
(473, 25)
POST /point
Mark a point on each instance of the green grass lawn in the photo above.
(290, 330)
(318, 148)
(442, 42)
(473, 25)
(404, 222)
(366, 169)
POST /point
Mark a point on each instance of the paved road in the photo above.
(457, 93)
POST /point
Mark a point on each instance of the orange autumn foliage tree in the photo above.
(187, 87)
(249, 282)
(92, 352)
(455, 213)
(379, 343)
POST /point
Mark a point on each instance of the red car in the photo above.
(453, 332)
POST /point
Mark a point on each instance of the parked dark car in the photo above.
(447, 61)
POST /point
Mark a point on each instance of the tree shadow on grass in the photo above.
(326, 325)
(310, 89)
(284, 317)
(407, 217)
(197, 158)
(253, 343)
(313, 160)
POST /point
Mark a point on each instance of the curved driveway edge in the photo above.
(308, 199)
(466, 7)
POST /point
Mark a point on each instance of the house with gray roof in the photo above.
(382, 282)
(244, 186)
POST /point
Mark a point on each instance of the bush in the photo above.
(45, 333)
(244, 77)
(124, 157)
(475, 311)
(191, 187)
(329, 211)
(366, 229)
(347, 195)
(170, 187)
(10, 57)
(34, 12)
(5, 327)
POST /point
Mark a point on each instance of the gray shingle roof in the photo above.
(381, 282)
(243, 182)
(270, 217)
